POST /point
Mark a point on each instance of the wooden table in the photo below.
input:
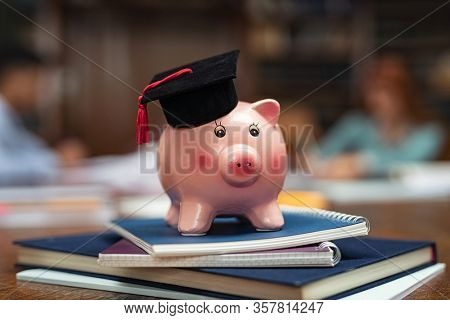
(422, 221)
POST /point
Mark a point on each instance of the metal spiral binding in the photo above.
(336, 252)
(326, 214)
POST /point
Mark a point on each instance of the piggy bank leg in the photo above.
(173, 214)
(266, 217)
(195, 218)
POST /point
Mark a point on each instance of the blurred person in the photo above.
(24, 157)
(393, 127)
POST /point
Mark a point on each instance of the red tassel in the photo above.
(142, 130)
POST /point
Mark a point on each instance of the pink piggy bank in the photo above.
(235, 165)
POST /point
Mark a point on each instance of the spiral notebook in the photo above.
(303, 226)
(126, 254)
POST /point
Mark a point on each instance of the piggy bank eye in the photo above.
(220, 131)
(254, 130)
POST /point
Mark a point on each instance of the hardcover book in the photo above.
(364, 262)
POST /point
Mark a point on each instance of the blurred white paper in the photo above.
(134, 173)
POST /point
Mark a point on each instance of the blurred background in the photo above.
(100, 52)
(342, 66)
(364, 87)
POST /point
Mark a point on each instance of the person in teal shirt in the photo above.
(393, 128)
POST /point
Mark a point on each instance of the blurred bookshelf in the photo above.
(289, 49)
(298, 46)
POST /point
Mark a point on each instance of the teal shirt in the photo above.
(358, 133)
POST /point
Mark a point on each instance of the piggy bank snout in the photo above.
(244, 164)
(240, 165)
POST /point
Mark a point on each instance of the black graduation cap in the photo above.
(193, 94)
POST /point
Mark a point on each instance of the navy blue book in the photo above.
(303, 226)
(365, 262)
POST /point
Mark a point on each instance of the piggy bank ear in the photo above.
(269, 109)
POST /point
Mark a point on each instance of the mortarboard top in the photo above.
(196, 93)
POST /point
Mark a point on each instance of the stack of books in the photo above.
(318, 254)
(55, 206)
